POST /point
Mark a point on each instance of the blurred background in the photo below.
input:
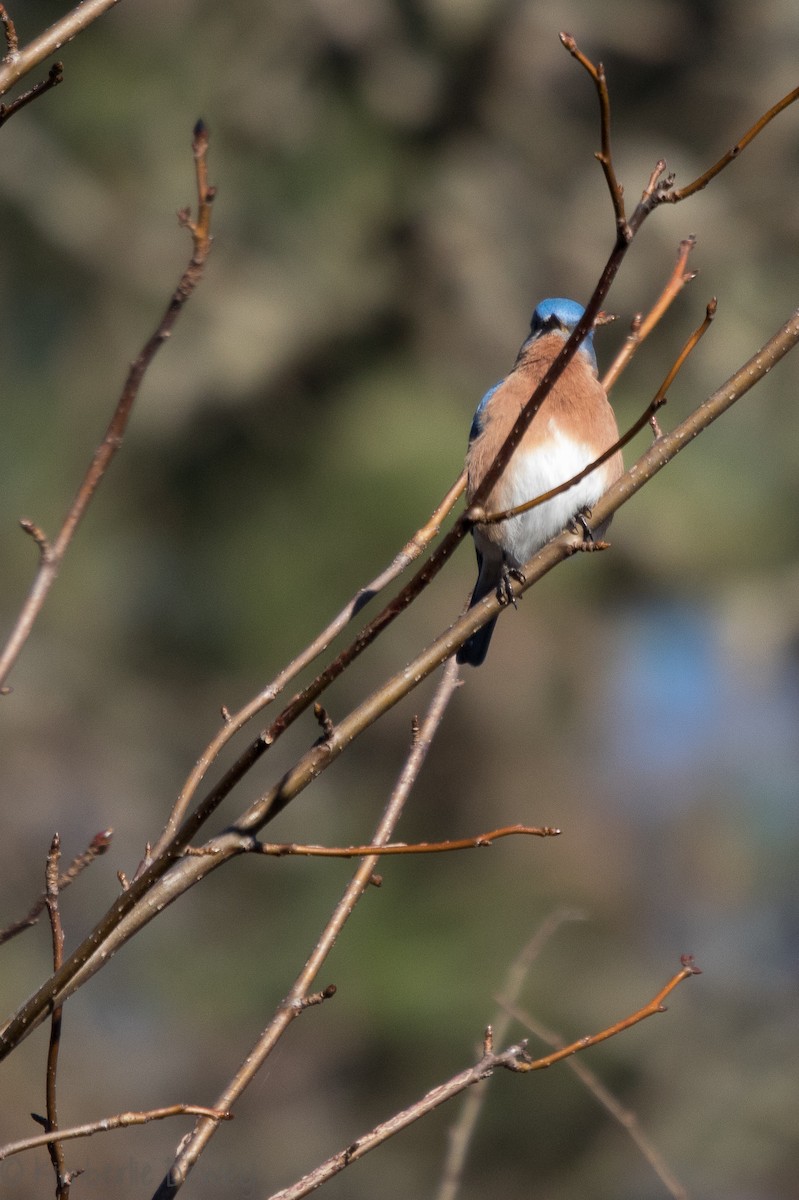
(398, 183)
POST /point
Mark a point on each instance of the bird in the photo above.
(574, 425)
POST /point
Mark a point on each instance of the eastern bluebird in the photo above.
(573, 427)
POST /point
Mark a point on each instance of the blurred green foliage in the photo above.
(399, 182)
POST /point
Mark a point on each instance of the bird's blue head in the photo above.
(560, 316)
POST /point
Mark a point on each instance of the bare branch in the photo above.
(626, 1117)
(703, 180)
(51, 561)
(62, 1178)
(55, 76)
(654, 1006)
(98, 845)
(18, 63)
(105, 1124)
(10, 31)
(605, 156)
(643, 326)
(282, 849)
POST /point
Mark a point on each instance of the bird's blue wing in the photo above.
(479, 416)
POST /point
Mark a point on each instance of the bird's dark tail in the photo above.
(475, 649)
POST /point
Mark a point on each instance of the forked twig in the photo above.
(98, 845)
(52, 555)
(626, 1117)
(515, 1058)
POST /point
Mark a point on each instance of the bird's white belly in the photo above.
(530, 474)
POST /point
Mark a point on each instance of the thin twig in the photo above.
(50, 562)
(105, 1124)
(703, 180)
(626, 1117)
(98, 845)
(282, 849)
(655, 1005)
(193, 1146)
(63, 1179)
(516, 1059)
(643, 326)
(18, 63)
(54, 77)
(604, 156)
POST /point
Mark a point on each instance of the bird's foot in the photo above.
(504, 590)
(579, 524)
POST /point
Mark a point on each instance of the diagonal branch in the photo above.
(18, 63)
(703, 180)
(52, 555)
